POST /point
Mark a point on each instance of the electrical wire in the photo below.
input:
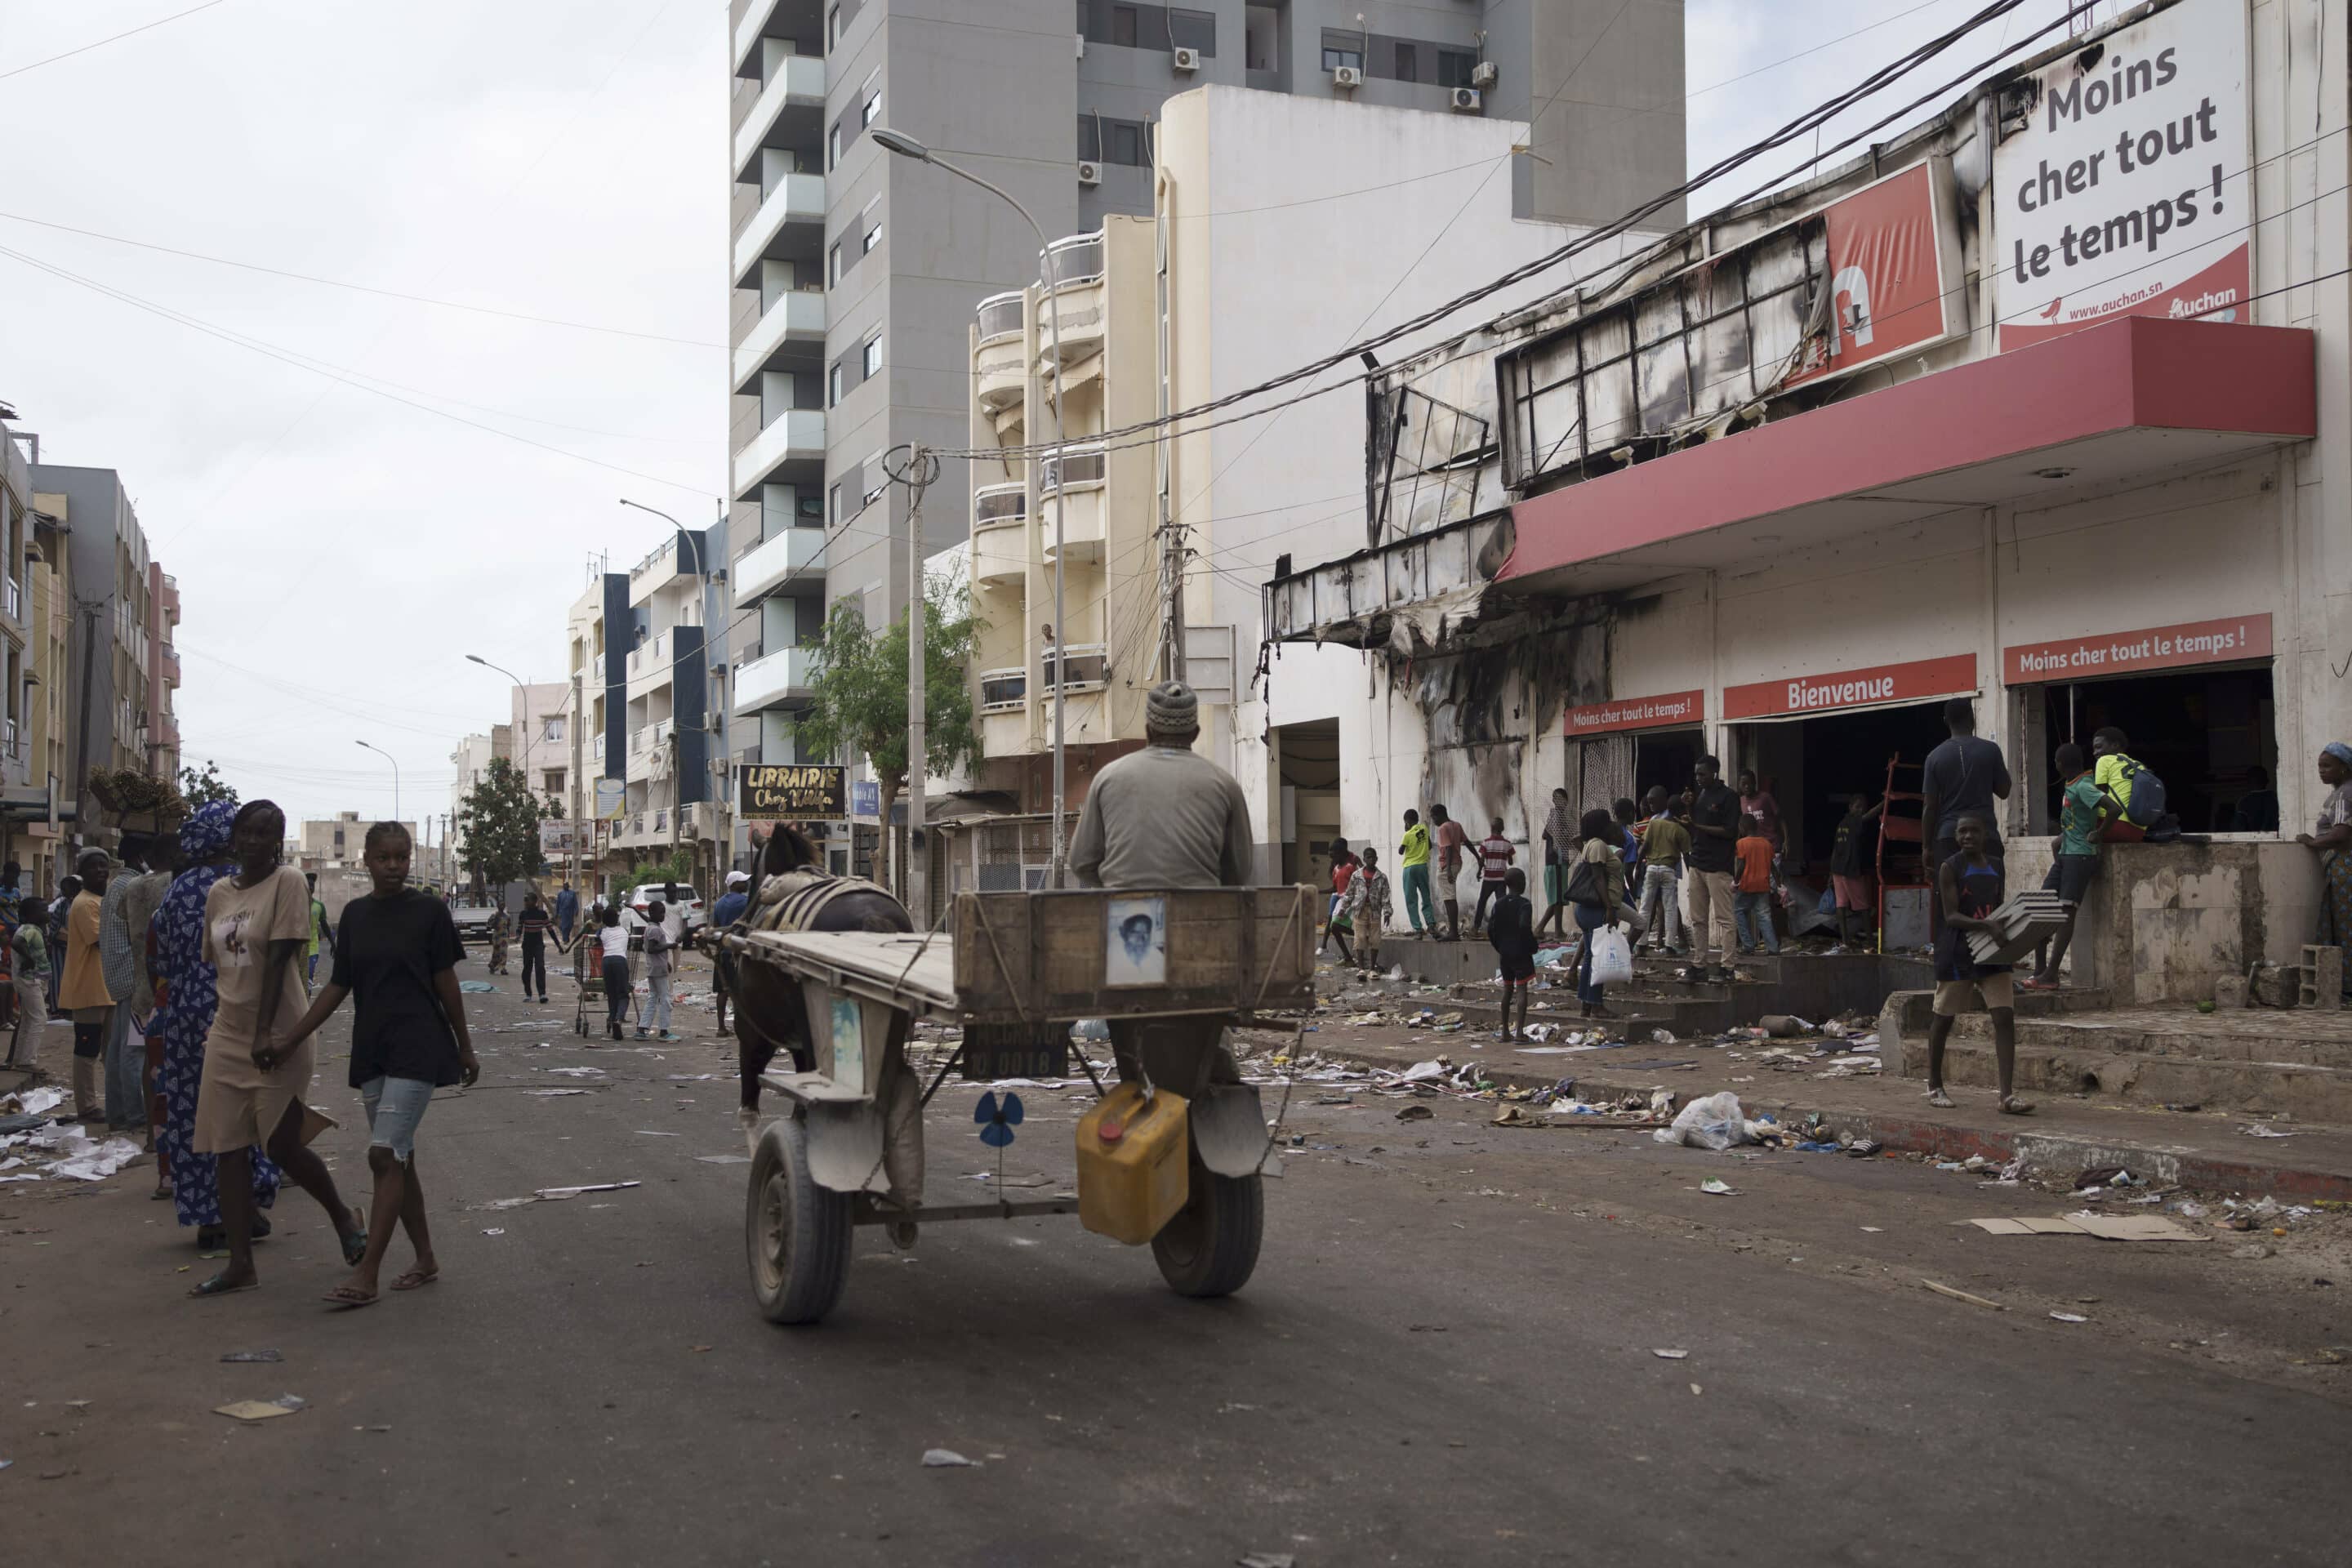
(365, 288)
(114, 38)
(1794, 129)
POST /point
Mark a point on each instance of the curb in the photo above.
(2045, 1154)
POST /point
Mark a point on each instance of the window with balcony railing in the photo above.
(1003, 688)
(1089, 667)
(1074, 470)
(1003, 504)
(1079, 259)
(1001, 317)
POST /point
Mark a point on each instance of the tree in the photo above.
(858, 691)
(204, 788)
(499, 818)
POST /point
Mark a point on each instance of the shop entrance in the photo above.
(2211, 734)
(1309, 759)
(1813, 765)
(1663, 759)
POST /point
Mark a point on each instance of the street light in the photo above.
(906, 146)
(682, 529)
(388, 757)
(524, 686)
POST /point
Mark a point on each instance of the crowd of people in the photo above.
(190, 972)
(1702, 873)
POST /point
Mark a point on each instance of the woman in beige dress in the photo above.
(256, 923)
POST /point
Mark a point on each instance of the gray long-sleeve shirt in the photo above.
(1163, 817)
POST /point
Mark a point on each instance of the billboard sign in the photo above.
(556, 840)
(865, 801)
(789, 792)
(612, 796)
(2128, 191)
(2182, 642)
(1918, 681)
(1893, 261)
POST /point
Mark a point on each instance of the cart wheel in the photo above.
(797, 1233)
(1211, 1246)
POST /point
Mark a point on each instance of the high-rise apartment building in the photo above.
(855, 275)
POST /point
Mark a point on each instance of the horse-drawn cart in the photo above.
(1170, 970)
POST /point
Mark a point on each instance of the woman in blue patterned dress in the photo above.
(187, 983)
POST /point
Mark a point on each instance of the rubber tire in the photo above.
(1210, 1248)
(797, 1234)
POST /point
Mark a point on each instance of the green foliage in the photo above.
(204, 788)
(500, 818)
(858, 690)
(677, 867)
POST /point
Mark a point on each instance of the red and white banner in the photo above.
(1894, 271)
(1682, 708)
(2129, 190)
(2158, 647)
(1917, 682)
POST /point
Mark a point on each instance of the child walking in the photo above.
(1495, 854)
(1512, 934)
(1368, 910)
(1752, 871)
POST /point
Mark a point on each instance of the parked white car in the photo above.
(681, 919)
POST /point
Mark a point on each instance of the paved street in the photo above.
(1447, 1355)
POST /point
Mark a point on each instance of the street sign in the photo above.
(779, 793)
(865, 801)
(612, 794)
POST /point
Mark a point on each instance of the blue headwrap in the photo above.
(205, 836)
(2339, 751)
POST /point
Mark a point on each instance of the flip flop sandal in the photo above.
(355, 1246)
(1940, 1099)
(347, 1299)
(415, 1280)
(2014, 1106)
(216, 1287)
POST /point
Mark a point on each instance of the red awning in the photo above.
(2139, 395)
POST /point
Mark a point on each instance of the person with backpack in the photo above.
(2138, 793)
(2083, 810)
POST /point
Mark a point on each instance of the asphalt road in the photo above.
(1446, 1357)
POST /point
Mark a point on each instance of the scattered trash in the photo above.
(1717, 1188)
(495, 1232)
(1662, 1038)
(2112, 1227)
(1713, 1122)
(262, 1409)
(255, 1356)
(2256, 1130)
(946, 1458)
(477, 987)
(34, 1101)
(2069, 1317)
(1266, 1559)
(1963, 1296)
(2103, 1176)
(724, 1159)
(1671, 1355)
(556, 1195)
(1415, 1113)
(552, 1093)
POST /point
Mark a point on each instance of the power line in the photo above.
(365, 288)
(1804, 122)
(115, 39)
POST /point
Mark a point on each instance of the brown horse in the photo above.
(769, 1013)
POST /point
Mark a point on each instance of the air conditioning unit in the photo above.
(1187, 59)
(1082, 45)
(1466, 101)
(1347, 78)
(1482, 74)
(1089, 173)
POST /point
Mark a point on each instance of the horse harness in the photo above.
(792, 901)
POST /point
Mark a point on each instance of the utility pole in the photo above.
(922, 468)
(579, 779)
(89, 609)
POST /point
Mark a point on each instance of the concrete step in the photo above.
(2306, 1093)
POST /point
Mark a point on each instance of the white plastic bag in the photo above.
(1713, 1122)
(1612, 957)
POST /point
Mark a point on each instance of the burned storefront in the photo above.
(1785, 484)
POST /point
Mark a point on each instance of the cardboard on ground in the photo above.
(253, 1410)
(2112, 1227)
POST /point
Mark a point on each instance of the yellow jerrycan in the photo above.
(1132, 1175)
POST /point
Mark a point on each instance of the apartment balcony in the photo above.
(795, 435)
(791, 553)
(1005, 733)
(773, 679)
(788, 112)
(762, 19)
(999, 370)
(1078, 299)
(1000, 535)
(649, 751)
(647, 829)
(797, 318)
(650, 665)
(170, 657)
(1073, 498)
(1004, 690)
(797, 199)
(171, 599)
(1089, 667)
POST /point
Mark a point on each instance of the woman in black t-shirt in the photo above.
(396, 952)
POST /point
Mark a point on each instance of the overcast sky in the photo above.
(340, 551)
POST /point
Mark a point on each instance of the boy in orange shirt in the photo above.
(1751, 869)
